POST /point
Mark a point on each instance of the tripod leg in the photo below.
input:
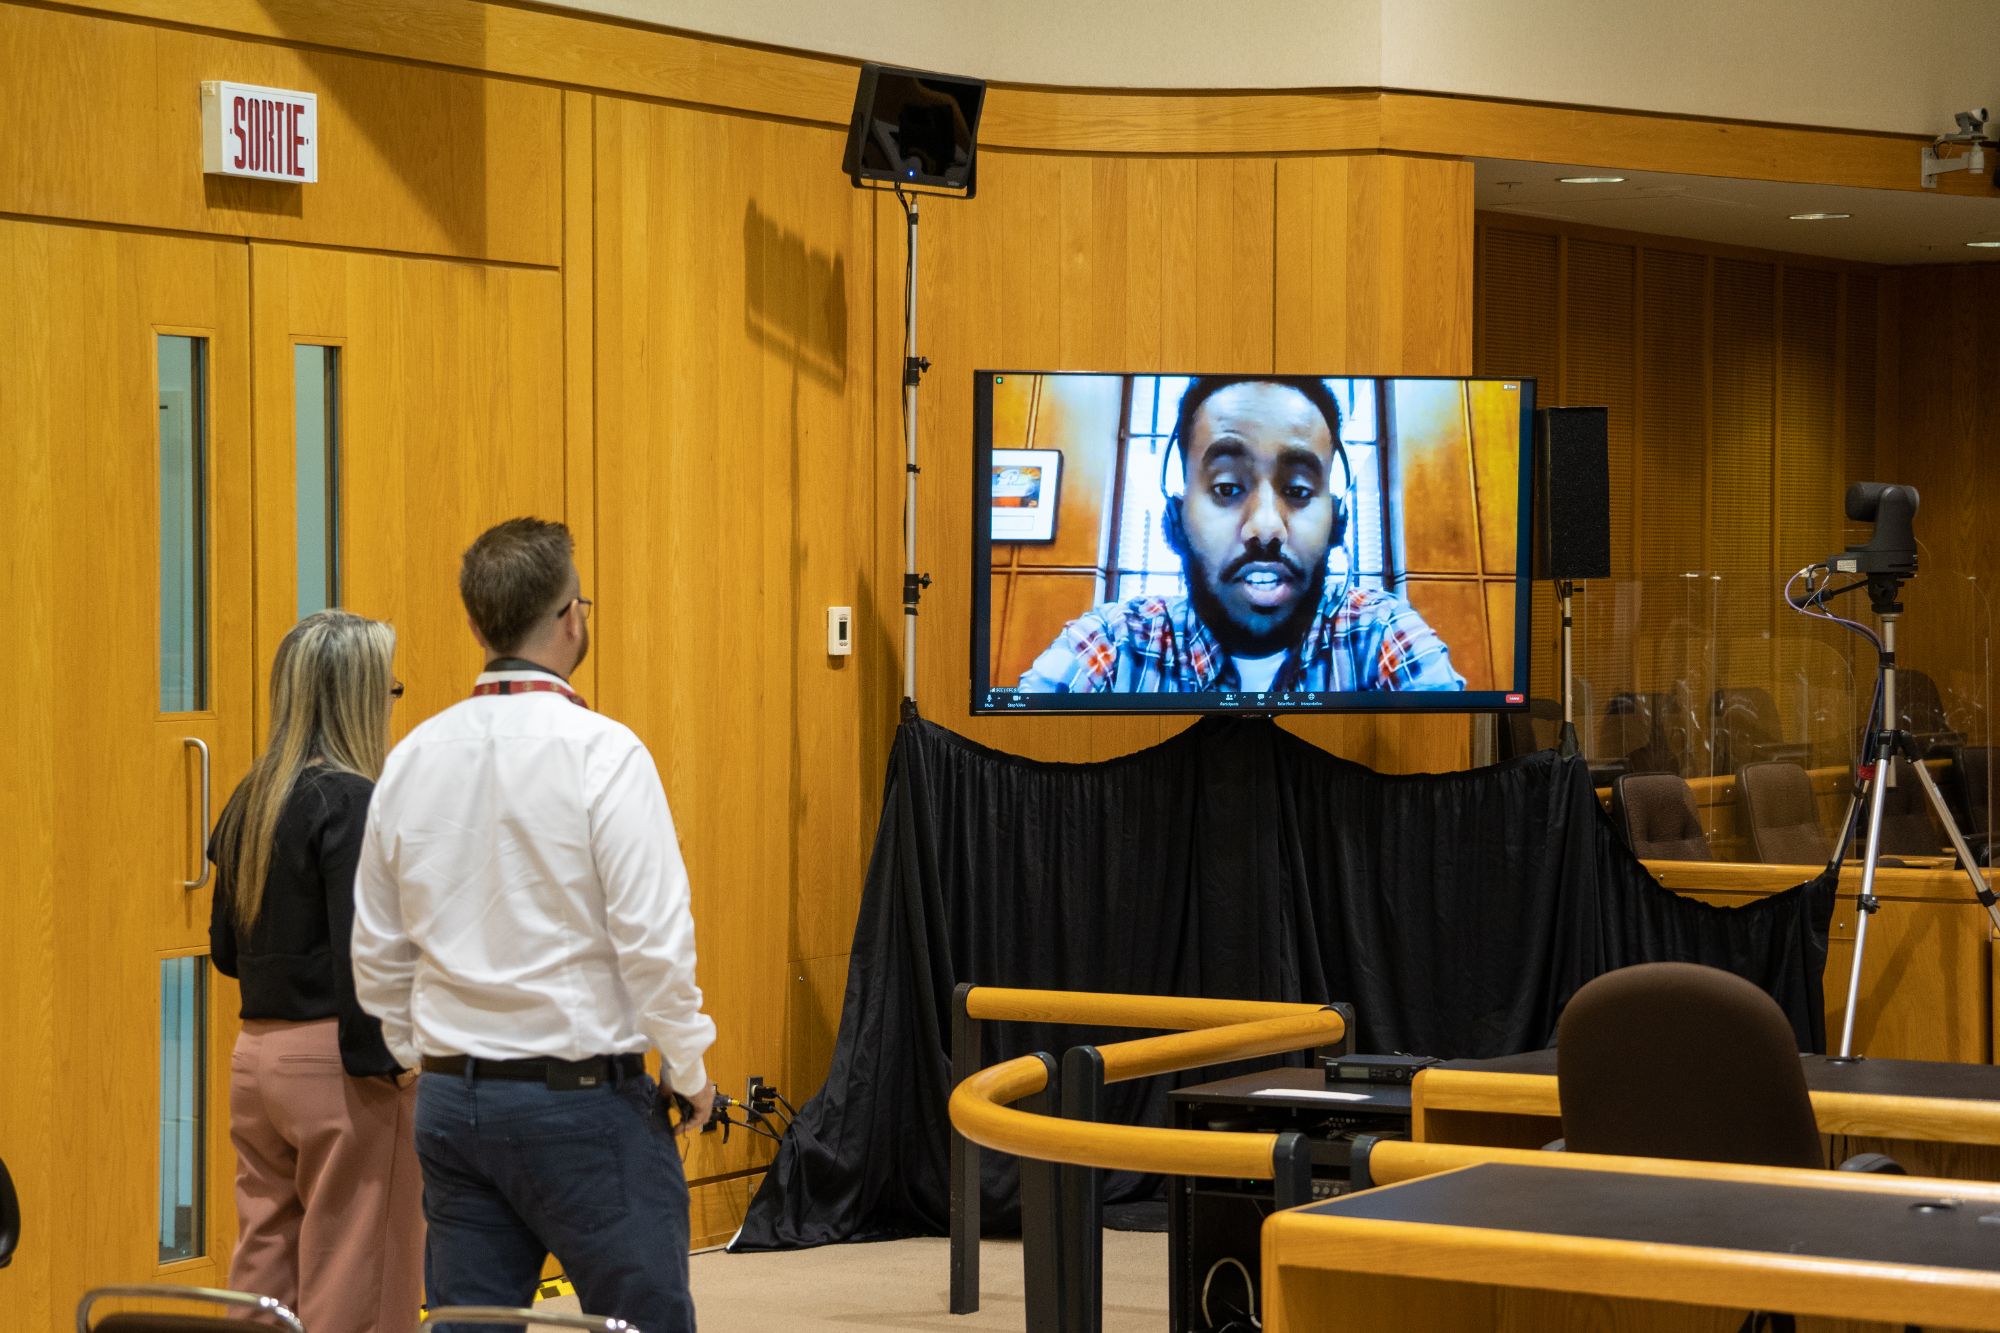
(1877, 786)
(1980, 889)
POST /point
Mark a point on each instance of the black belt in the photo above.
(561, 1075)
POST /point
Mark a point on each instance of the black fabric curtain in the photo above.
(1458, 912)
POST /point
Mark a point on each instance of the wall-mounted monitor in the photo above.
(1244, 543)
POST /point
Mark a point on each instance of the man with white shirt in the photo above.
(522, 930)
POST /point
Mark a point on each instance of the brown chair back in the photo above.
(1907, 829)
(1656, 812)
(1679, 1060)
(1973, 767)
(1781, 815)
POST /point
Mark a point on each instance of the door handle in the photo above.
(201, 835)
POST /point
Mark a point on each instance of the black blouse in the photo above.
(293, 965)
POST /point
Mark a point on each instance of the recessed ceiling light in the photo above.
(1591, 180)
(1820, 217)
(1984, 245)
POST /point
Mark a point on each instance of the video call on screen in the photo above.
(1169, 543)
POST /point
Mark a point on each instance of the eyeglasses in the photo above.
(396, 690)
(583, 605)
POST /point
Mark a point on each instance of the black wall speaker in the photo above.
(914, 129)
(1572, 493)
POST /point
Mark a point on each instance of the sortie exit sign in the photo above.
(267, 133)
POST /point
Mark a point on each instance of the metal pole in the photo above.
(1567, 743)
(911, 374)
(1042, 1259)
(1878, 793)
(1082, 1199)
(1980, 888)
(1865, 908)
(965, 1198)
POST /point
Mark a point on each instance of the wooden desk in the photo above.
(1526, 1247)
(1935, 1118)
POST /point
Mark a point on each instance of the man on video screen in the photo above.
(1266, 504)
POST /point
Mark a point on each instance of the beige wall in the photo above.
(1857, 64)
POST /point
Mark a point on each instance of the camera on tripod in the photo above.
(1883, 564)
(1892, 549)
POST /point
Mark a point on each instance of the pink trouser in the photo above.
(329, 1196)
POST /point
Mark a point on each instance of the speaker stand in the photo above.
(1567, 746)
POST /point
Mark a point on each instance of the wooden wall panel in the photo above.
(1374, 268)
(1738, 385)
(737, 467)
(1060, 263)
(453, 402)
(1945, 414)
(524, 42)
(411, 158)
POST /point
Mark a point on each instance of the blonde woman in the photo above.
(328, 1190)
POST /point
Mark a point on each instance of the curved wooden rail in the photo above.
(1181, 1013)
(981, 1105)
(1390, 1162)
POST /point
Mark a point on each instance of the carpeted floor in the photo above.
(903, 1284)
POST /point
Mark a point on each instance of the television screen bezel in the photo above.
(1337, 704)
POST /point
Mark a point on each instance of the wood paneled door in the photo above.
(124, 405)
(441, 410)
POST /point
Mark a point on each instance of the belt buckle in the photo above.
(574, 1075)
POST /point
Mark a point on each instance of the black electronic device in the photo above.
(913, 130)
(1166, 542)
(1573, 493)
(1892, 548)
(1214, 1227)
(1376, 1068)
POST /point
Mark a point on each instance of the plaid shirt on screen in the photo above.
(1368, 640)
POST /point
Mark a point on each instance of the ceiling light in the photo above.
(1984, 245)
(1591, 180)
(1820, 217)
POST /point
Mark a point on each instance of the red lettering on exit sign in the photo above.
(262, 133)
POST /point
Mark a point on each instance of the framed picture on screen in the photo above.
(1026, 486)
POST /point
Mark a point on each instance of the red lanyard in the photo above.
(529, 687)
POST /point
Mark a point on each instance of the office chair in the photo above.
(1972, 773)
(1781, 815)
(494, 1314)
(10, 1217)
(1920, 707)
(1746, 729)
(1656, 813)
(1648, 731)
(241, 1303)
(1540, 728)
(1907, 829)
(1691, 1062)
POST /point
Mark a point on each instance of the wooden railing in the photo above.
(1025, 1107)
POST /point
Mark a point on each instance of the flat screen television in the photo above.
(1196, 543)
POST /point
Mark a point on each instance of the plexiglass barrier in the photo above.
(1703, 675)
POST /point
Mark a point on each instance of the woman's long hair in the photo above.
(329, 706)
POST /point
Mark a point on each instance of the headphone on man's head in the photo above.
(1174, 522)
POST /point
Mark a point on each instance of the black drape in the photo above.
(1458, 912)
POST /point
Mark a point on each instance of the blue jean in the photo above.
(514, 1171)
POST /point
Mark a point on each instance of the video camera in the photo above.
(1892, 550)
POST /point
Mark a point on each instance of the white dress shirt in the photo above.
(521, 892)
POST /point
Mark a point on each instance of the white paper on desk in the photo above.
(1312, 1094)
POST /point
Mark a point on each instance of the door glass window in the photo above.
(183, 1103)
(316, 411)
(183, 413)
